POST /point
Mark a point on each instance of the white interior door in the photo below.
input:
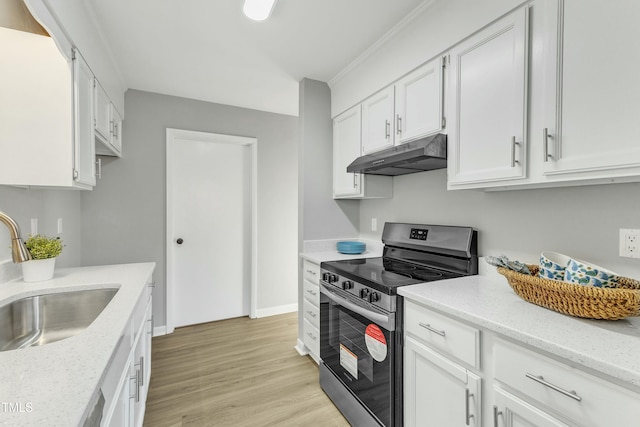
(209, 197)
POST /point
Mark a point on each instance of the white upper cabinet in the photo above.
(593, 90)
(102, 111)
(405, 111)
(83, 86)
(377, 121)
(46, 114)
(419, 102)
(347, 146)
(487, 109)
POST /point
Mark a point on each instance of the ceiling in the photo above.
(208, 50)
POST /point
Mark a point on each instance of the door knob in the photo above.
(179, 241)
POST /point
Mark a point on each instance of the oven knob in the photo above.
(347, 284)
(374, 297)
(333, 278)
(325, 276)
(364, 293)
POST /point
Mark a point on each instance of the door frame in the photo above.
(173, 134)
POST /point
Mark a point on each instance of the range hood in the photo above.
(416, 156)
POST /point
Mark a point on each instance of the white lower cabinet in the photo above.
(437, 391)
(510, 411)
(522, 387)
(310, 309)
(126, 382)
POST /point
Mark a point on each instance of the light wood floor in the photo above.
(237, 372)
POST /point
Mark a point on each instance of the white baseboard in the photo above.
(272, 311)
(301, 348)
(159, 330)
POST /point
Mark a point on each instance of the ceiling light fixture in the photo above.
(258, 10)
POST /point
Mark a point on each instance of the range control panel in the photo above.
(360, 291)
(418, 234)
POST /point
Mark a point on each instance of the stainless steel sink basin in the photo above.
(43, 319)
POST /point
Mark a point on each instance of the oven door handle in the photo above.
(386, 321)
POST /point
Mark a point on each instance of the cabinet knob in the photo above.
(179, 241)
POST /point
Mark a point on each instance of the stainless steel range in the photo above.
(361, 315)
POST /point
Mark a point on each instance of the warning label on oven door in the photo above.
(349, 361)
(376, 342)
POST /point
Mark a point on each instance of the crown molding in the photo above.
(393, 32)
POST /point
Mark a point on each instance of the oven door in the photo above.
(357, 345)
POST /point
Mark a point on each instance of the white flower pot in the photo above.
(38, 270)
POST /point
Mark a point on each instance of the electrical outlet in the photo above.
(629, 243)
(34, 226)
(374, 224)
(59, 225)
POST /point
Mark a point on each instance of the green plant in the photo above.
(43, 247)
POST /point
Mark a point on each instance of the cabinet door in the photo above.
(346, 148)
(116, 130)
(120, 415)
(509, 411)
(438, 392)
(419, 102)
(597, 92)
(102, 111)
(138, 369)
(84, 144)
(488, 112)
(377, 121)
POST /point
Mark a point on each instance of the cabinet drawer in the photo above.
(311, 272)
(311, 293)
(311, 313)
(443, 333)
(583, 398)
(311, 337)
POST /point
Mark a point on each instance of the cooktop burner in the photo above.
(386, 274)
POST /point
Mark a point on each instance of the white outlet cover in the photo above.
(634, 250)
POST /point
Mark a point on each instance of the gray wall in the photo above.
(124, 217)
(322, 217)
(583, 222)
(46, 205)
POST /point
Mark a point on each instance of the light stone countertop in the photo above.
(52, 385)
(610, 347)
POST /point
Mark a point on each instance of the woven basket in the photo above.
(577, 300)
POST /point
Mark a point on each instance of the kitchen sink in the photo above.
(47, 318)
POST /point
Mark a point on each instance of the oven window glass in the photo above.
(364, 369)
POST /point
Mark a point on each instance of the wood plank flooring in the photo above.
(237, 372)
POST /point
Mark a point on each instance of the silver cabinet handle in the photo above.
(496, 414)
(151, 327)
(430, 328)
(467, 396)
(545, 142)
(116, 131)
(387, 129)
(137, 395)
(514, 143)
(141, 370)
(311, 336)
(99, 168)
(311, 313)
(311, 292)
(540, 379)
(111, 127)
(152, 284)
(355, 180)
(311, 272)
(398, 124)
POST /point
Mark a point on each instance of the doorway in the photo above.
(211, 227)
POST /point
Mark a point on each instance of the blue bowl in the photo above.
(351, 248)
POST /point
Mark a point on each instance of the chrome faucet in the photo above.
(18, 249)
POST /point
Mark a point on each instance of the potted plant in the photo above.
(44, 251)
